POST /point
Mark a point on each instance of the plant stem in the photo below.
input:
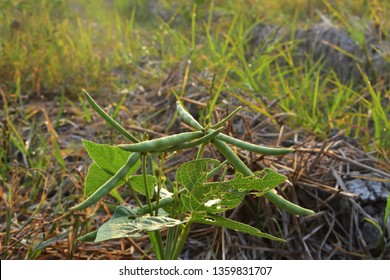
(155, 239)
(182, 240)
(155, 236)
(148, 200)
(199, 154)
(134, 194)
(162, 203)
(160, 180)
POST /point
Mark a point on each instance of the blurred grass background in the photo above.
(49, 48)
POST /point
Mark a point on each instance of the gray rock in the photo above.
(369, 190)
(332, 46)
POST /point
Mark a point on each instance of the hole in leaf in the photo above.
(209, 220)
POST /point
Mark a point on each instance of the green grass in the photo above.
(49, 47)
(50, 50)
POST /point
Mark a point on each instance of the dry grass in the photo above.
(317, 173)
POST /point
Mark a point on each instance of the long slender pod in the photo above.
(252, 147)
(240, 166)
(108, 119)
(161, 143)
(110, 184)
(187, 118)
(208, 137)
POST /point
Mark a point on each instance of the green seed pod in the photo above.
(187, 118)
(108, 119)
(254, 148)
(208, 137)
(161, 143)
(110, 184)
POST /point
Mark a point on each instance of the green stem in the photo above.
(162, 203)
(199, 154)
(156, 240)
(155, 236)
(182, 240)
(148, 200)
(170, 241)
(134, 194)
(160, 180)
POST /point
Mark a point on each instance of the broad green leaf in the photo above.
(89, 237)
(216, 197)
(213, 197)
(121, 211)
(215, 220)
(96, 177)
(129, 227)
(201, 196)
(137, 183)
(108, 158)
(194, 173)
(262, 181)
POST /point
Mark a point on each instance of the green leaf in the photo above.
(50, 241)
(107, 161)
(108, 158)
(194, 173)
(216, 197)
(262, 181)
(89, 237)
(96, 177)
(214, 220)
(121, 211)
(130, 227)
(137, 183)
(213, 197)
(202, 196)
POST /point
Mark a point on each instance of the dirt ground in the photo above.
(346, 187)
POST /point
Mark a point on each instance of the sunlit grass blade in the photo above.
(386, 222)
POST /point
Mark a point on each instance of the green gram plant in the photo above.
(199, 194)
